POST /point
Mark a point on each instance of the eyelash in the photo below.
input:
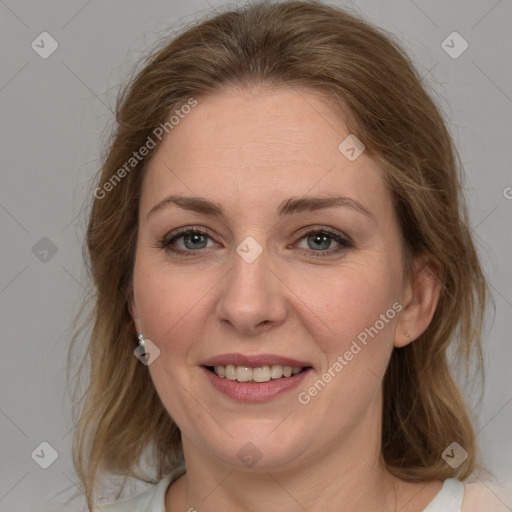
(343, 241)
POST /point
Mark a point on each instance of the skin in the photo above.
(250, 150)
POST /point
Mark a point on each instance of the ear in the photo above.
(135, 315)
(420, 298)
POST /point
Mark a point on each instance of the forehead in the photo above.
(257, 145)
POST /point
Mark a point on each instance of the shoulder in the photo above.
(472, 495)
(449, 498)
(152, 500)
(487, 495)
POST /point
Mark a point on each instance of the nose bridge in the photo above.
(250, 296)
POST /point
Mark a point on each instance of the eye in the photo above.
(186, 241)
(319, 242)
(323, 242)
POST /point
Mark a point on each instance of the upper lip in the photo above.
(254, 361)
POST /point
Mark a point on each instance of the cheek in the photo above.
(171, 307)
(170, 301)
(353, 326)
(348, 301)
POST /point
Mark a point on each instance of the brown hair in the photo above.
(366, 74)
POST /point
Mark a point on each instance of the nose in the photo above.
(252, 298)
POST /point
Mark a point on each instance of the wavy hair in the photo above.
(364, 72)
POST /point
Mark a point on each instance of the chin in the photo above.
(258, 449)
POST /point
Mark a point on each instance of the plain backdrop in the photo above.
(55, 115)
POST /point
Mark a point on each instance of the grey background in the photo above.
(55, 112)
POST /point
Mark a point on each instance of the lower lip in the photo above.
(254, 391)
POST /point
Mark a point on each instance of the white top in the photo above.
(448, 499)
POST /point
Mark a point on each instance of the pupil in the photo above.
(195, 239)
(322, 240)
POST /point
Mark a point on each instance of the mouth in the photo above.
(254, 378)
(258, 374)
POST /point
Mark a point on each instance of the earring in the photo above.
(407, 334)
(146, 350)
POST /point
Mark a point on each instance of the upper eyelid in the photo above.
(303, 231)
(323, 229)
(181, 232)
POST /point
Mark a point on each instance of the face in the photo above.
(262, 272)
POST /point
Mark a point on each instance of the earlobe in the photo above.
(421, 299)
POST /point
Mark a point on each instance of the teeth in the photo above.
(230, 372)
(276, 371)
(260, 374)
(243, 374)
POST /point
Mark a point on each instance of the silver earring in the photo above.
(141, 342)
(408, 334)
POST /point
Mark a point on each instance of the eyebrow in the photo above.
(287, 207)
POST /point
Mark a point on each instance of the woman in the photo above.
(282, 258)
